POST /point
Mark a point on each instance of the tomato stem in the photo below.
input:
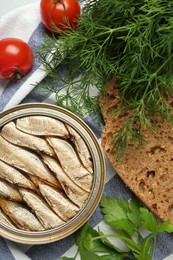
(16, 74)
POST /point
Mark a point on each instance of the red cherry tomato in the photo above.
(59, 13)
(16, 58)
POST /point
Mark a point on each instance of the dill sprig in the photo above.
(129, 40)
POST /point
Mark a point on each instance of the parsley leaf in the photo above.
(89, 244)
(133, 213)
(127, 217)
(115, 214)
(149, 221)
(165, 227)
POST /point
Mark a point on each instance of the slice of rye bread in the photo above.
(147, 171)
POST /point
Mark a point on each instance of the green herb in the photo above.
(129, 40)
(127, 218)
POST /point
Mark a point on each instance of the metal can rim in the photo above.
(99, 172)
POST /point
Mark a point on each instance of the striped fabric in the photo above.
(25, 23)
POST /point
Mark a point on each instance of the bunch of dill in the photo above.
(130, 40)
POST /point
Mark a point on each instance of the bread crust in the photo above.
(147, 171)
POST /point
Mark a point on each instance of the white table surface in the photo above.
(8, 5)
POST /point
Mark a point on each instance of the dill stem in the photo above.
(111, 31)
(164, 64)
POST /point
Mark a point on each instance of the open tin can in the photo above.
(57, 233)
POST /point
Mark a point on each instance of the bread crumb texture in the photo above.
(147, 171)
